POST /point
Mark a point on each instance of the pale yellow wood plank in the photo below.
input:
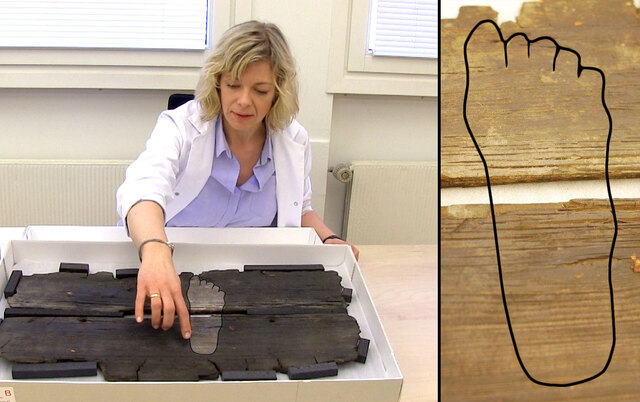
(554, 259)
(543, 128)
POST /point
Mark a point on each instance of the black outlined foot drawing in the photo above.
(518, 90)
(204, 296)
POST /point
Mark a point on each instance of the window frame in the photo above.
(115, 68)
(353, 71)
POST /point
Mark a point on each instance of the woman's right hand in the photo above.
(158, 280)
(157, 277)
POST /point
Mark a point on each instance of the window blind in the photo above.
(405, 28)
(145, 24)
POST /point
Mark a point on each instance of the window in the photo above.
(117, 66)
(353, 69)
(406, 28)
(141, 24)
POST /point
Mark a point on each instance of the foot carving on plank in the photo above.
(518, 91)
(205, 297)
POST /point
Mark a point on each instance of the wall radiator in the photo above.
(392, 203)
(59, 192)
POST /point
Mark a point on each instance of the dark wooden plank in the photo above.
(318, 370)
(363, 350)
(12, 283)
(289, 339)
(555, 264)
(74, 267)
(347, 294)
(306, 309)
(161, 368)
(53, 370)
(70, 291)
(256, 291)
(44, 312)
(261, 363)
(248, 375)
(127, 273)
(534, 124)
(126, 350)
(300, 290)
(287, 318)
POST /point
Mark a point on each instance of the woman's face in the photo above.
(246, 101)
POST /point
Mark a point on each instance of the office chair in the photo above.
(176, 100)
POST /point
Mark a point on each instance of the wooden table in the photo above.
(403, 284)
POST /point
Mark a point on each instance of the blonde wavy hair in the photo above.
(241, 45)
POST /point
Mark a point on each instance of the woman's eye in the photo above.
(261, 92)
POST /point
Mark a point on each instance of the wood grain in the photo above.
(555, 263)
(535, 124)
(127, 351)
(403, 284)
(296, 291)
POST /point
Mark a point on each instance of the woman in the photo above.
(234, 156)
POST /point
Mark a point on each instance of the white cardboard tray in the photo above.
(379, 379)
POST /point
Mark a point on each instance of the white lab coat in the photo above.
(178, 157)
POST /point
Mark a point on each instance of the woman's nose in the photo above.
(244, 98)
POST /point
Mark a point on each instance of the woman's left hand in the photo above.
(312, 219)
(355, 250)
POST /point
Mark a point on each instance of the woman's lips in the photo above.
(241, 116)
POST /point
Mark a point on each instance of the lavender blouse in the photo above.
(223, 204)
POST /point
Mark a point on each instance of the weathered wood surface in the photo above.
(245, 321)
(296, 291)
(534, 124)
(68, 291)
(554, 260)
(128, 351)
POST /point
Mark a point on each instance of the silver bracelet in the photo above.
(170, 245)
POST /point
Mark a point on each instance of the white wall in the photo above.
(307, 24)
(345, 128)
(114, 124)
(389, 128)
(77, 123)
